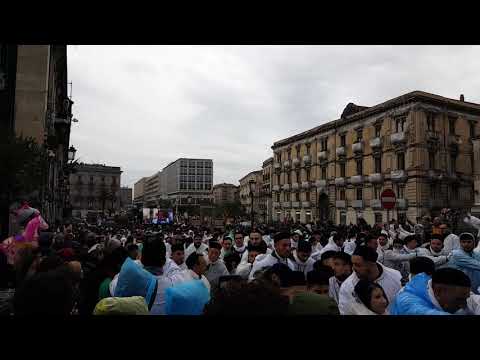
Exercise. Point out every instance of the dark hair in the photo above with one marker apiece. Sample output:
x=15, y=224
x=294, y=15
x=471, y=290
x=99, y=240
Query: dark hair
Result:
x=450, y=276
x=367, y=253
x=337, y=237
x=177, y=247
x=327, y=255
x=132, y=247
x=422, y=264
x=241, y=298
x=364, y=290
x=318, y=266
x=467, y=236
x=214, y=245
x=239, y=232
x=304, y=246
x=192, y=260
x=346, y=258
x=319, y=277
x=230, y=259
x=260, y=248
x=281, y=236
x=154, y=252
x=45, y=293
x=50, y=263
x=436, y=237
x=408, y=239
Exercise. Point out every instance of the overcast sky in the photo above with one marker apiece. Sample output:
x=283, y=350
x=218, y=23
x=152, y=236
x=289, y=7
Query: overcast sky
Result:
x=141, y=107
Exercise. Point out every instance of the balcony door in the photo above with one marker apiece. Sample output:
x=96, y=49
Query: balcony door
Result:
x=323, y=208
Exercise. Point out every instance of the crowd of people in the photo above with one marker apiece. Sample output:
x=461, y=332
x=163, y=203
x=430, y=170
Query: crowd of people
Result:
x=286, y=269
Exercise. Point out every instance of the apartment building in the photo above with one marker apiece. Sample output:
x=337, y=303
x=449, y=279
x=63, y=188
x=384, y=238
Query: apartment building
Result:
x=224, y=193
x=139, y=192
x=419, y=144
x=246, y=195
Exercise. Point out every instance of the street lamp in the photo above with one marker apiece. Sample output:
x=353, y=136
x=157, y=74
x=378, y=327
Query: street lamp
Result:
x=251, y=185
x=71, y=153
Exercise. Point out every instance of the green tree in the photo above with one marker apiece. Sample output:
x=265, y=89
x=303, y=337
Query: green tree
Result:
x=23, y=167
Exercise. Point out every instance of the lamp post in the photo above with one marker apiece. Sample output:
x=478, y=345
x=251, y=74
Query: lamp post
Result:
x=251, y=184
x=71, y=153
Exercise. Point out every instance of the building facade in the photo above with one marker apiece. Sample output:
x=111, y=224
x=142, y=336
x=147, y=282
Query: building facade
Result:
x=139, y=192
x=34, y=103
x=95, y=188
x=152, y=190
x=126, y=198
x=224, y=193
x=266, y=193
x=246, y=197
x=419, y=144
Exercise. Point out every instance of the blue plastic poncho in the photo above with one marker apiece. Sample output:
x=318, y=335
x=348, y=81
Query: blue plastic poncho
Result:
x=188, y=298
x=133, y=280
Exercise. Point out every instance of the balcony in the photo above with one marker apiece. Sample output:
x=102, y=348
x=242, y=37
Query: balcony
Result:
x=277, y=166
x=307, y=160
x=295, y=187
x=306, y=204
x=398, y=175
x=286, y=164
x=340, y=151
x=376, y=204
x=398, y=138
x=356, y=180
x=286, y=204
x=323, y=155
x=436, y=203
x=295, y=204
x=375, y=178
x=357, y=147
x=357, y=204
x=296, y=162
x=402, y=204
x=276, y=204
x=286, y=187
x=340, y=204
x=340, y=181
x=321, y=183
x=376, y=143
x=276, y=188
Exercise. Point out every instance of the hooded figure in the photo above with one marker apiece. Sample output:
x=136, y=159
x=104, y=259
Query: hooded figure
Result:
x=134, y=305
x=473, y=222
x=468, y=262
x=133, y=280
x=188, y=298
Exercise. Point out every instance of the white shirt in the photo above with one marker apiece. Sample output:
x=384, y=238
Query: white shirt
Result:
x=267, y=261
x=389, y=280
x=191, y=275
x=202, y=250
x=333, y=288
x=450, y=243
x=304, y=267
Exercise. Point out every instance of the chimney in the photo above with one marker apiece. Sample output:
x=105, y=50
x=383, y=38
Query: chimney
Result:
x=462, y=98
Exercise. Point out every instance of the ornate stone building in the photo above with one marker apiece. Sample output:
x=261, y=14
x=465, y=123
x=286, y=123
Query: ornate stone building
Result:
x=95, y=188
x=245, y=197
x=224, y=193
x=419, y=144
x=266, y=192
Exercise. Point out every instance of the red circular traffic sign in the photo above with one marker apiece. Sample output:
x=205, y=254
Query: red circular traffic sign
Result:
x=388, y=199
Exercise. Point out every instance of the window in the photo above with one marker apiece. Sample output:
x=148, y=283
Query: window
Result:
x=278, y=197
x=431, y=159
x=451, y=125
x=376, y=192
x=289, y=155
x=287, y=196
x=472, y=129
x=342, y=194
x=278, y=179
x=297, y=197
x=430, y=122
x=308, y=216
x=453, y=163
x=400, y=191
x=324, y=172
x=378, y=165
x=378, y=129
x=342, y=140
x=91, y=179
x=308, y=148
x=402, y=217
x=343, y=217
x=401, y=161
x=307, y=196
x=297, y=176
x=454, y=192
x=360, y=167
x=359, y=194
x=342, y=170
x=297, y=216
x=323, y=144
x=433, y=193
x=307, y=172
x=400, y=123
x=359, y=135
x=378, y=218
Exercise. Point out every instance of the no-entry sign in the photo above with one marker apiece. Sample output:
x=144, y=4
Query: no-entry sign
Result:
x=388, y=199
